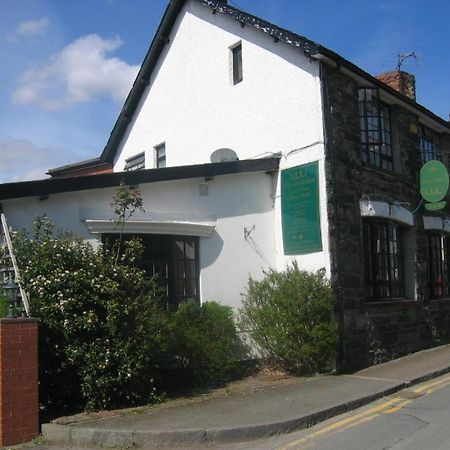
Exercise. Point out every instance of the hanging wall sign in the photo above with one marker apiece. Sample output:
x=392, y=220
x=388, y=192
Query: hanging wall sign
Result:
x=434, y=183
x=300, y=212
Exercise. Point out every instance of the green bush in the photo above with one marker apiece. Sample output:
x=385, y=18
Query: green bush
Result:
x=104, y=339
x=289, y=316
x=205, y=342
x=4, y=305
x=102, y=333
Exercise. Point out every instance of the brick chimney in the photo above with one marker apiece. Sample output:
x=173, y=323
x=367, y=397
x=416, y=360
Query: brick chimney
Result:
x=403, y=82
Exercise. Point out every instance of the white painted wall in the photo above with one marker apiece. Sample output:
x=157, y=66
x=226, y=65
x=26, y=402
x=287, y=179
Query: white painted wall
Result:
x=192, y=106
x=226, y=258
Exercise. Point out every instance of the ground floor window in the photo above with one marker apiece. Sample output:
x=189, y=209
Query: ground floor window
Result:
x=438, y=268
x=174, y=261
x=383, y=258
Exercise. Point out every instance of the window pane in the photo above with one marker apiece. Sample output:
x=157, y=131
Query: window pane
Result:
x=438, y=267
x=237, y=63
x=383, y=260
x=178, y=269
x=175, y=268
x=178, y=249
x=375, y=129
x=190, y=269
x=191, y=287
x=429, y=144
x=160, y=156
x=190, y=249
x=135, y=162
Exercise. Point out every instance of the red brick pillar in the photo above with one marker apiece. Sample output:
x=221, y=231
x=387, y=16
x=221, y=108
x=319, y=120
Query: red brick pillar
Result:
x=19, y=407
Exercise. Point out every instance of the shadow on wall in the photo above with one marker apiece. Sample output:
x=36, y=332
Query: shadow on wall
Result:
x=215, y=245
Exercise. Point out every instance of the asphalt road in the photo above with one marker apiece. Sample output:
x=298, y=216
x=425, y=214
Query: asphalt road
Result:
x=413, y=419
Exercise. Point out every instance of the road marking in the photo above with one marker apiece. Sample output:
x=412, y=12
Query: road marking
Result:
x=342, y=423
x=433, y=385
x=388, y=407
x=363, y=420
x=397, y=407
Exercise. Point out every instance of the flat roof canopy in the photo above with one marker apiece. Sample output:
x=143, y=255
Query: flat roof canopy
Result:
x=131, y=178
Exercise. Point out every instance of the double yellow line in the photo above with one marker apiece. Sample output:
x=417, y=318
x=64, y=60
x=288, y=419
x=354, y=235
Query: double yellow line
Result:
x=388, y=407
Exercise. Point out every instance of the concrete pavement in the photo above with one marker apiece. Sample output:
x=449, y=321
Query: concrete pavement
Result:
x=281, y=408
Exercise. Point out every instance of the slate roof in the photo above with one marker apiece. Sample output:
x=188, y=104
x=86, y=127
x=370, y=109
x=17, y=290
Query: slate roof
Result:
x=311, y=49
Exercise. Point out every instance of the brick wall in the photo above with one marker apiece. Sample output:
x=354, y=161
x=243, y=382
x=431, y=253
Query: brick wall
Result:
x=19, y=408
x=372, y=332
x=403, y=82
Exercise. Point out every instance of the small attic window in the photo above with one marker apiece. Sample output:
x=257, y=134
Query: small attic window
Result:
x=236, y=62
x=160, y=155
x=135, y=162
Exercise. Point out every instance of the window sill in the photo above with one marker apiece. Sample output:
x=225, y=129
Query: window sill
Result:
x=388, y=173
x=392, y=302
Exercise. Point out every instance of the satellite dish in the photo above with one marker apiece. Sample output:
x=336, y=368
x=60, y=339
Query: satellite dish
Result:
x=223, y=155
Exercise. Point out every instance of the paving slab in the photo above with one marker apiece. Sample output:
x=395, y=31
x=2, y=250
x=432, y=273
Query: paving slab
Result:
x=414, y=368
x=246, y=416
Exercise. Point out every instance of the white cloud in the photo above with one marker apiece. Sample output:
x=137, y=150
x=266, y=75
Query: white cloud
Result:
x=29, y=28
x=33, y=27
x=21, y=160
x=81, y=72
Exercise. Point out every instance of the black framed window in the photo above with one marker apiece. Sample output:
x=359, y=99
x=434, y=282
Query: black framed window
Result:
x=160, y=155
x=135, y=162
x=236, y=56
x=375, y=125
x=429, y=144
x=438, y=267
x=383, y=258
x=174, y=262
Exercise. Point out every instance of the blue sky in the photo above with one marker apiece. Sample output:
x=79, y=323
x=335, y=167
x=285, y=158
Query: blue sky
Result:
x=66, y=66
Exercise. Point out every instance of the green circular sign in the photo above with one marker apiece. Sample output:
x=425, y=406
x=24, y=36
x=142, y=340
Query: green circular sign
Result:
x=434, y=181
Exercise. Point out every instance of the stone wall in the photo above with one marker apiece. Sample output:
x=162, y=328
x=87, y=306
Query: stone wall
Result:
x=372, y=332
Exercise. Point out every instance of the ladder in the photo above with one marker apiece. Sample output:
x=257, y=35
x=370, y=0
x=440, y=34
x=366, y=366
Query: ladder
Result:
x=12, y=256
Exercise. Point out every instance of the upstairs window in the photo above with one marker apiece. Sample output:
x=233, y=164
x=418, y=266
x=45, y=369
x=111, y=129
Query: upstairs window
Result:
x=160, y=156
x=438, y=267
x=136, y=162
x=374, y=118
x=383, y=258
x=429, y=144
x=236, y=63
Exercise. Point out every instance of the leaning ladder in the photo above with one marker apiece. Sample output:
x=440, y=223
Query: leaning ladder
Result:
x=12, y=256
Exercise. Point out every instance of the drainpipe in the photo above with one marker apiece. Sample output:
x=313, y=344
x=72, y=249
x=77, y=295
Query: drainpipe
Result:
x=328, y=131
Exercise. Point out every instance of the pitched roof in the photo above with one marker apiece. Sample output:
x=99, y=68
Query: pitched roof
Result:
x=309, y=47
x=43, y=188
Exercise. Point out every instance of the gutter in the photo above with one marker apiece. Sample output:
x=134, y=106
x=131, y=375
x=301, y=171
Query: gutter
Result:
x=328, y=56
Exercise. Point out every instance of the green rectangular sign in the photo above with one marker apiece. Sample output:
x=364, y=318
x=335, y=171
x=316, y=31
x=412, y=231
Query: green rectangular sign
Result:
x=300, y=212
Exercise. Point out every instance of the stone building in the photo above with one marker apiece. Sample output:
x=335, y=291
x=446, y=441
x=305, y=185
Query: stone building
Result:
x=389, y=254
x=270, y=149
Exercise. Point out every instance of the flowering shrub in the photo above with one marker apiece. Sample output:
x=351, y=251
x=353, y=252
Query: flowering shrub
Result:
x=102, y=333
x=289, y=316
